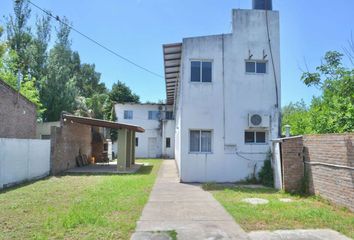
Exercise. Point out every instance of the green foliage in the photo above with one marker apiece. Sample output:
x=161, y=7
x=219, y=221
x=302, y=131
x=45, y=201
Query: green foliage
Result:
x=58, y=86
x=297, y=116
x=121, y=93
x=265, y=175
x=54, y=79
x=333, y=110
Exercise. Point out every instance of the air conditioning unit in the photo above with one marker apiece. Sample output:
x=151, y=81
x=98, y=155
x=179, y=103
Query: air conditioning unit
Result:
x=257, y=120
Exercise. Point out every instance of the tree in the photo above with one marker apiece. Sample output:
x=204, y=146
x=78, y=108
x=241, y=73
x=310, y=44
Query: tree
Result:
x=7, y=65
x=19, y=35
x=38, y=50
x=333, y=110
x=121, y=93
x=297, y=116
x=59, y=87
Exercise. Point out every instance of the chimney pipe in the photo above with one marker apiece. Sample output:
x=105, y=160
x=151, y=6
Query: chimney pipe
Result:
x=262, y=4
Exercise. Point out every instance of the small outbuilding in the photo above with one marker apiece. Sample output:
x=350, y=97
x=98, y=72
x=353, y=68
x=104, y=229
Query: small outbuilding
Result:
x=74, y=138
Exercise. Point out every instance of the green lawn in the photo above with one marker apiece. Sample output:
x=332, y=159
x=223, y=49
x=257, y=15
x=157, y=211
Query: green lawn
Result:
x=303, y=212
x=77, y=206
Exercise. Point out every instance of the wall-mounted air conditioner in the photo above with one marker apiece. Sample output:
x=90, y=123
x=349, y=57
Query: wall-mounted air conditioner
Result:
x=257, y=120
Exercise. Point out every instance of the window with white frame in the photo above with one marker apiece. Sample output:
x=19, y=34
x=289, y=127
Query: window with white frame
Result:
x=255, y=137
x=128, y=114
x=200, y=141
x=154, y=115
x=256, y=66
x=201, y=71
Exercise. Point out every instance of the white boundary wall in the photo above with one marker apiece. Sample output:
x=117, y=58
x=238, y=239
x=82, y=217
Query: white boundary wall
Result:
x=23, y=159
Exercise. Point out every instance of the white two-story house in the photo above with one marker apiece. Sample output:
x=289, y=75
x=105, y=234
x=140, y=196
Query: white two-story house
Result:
x=157, y=119
x=225, y=92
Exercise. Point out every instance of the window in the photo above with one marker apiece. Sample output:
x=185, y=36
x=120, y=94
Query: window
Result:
x=168, y=142
x=128, y=114
x=256, y=67
x=200, y=141
x=169, y=115
x=136, y=142
x=201, y=71
x=154, y=115
x=255, y=137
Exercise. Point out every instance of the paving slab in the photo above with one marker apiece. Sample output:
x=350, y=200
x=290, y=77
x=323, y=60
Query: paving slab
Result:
x=186, y=208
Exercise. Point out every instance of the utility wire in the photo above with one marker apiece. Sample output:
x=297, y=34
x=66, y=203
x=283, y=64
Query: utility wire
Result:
x=57, y=18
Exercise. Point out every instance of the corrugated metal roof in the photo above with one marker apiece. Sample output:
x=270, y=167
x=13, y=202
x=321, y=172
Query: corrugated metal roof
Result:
x=101, y=123
x=172, y=62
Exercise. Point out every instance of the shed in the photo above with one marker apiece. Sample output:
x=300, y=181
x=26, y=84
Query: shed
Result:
x=126, y=137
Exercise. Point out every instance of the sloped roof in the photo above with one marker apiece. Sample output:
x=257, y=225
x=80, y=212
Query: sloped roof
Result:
x=101, y=123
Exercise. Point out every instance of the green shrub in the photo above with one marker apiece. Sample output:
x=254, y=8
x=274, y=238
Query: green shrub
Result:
x=265, y=175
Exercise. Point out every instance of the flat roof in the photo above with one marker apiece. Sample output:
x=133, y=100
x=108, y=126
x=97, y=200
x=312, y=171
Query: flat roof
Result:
x=101, y=123
x=172, y=54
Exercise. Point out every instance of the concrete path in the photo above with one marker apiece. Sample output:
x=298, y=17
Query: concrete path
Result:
x=185, y=209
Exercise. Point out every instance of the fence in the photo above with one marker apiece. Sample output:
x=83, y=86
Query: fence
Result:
x=22, y=160
x=328, y=162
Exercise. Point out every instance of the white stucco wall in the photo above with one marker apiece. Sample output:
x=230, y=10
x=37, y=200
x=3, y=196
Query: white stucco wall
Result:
x=153, y=129
x=224, y=104
x=23, y=159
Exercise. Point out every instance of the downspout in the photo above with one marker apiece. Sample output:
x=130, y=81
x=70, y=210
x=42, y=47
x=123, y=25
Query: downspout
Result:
x=223, y=86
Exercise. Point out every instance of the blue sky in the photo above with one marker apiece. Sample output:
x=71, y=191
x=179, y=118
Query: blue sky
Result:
x=137, y=28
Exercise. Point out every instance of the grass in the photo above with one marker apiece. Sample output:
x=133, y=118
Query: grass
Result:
x=302, y=213
x=77, y=206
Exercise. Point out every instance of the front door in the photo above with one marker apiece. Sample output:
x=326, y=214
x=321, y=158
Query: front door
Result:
x=152, y=147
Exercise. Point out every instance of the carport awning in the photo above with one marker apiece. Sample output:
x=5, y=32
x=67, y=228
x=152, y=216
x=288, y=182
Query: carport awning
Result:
x=101, y=123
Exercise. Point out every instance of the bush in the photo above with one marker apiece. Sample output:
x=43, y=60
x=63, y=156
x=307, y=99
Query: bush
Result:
x=265, y=175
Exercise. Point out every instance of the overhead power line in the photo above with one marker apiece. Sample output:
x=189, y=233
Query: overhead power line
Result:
x=57, y=18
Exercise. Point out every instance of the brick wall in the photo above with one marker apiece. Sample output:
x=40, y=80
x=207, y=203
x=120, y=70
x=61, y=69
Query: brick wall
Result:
x=293, y=167
x=66, y=143
x=17, y=114
x=329, y=162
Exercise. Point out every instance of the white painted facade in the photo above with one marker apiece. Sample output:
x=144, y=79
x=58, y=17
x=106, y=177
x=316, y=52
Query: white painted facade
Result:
x=223, y=105
x=151, y=143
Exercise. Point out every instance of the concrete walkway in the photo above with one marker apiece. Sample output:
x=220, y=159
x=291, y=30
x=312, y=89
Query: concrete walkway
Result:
x=185, y=209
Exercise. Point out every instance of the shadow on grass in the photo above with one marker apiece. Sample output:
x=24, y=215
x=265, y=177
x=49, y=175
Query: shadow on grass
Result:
x=22, y=184
x=144, y=170
x=248, y=189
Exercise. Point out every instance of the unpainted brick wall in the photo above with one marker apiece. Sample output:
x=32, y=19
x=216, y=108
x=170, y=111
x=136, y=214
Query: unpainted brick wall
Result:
x=293, y=165
x=66, y=143
x=331, y=181
x=17, y=114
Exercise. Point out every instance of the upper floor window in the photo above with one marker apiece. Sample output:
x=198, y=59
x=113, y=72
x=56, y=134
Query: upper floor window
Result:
x=169, y=115
x=154, y=115
x=255, y=137
x=128, y=114
x=256, y=67
x=201, y=71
